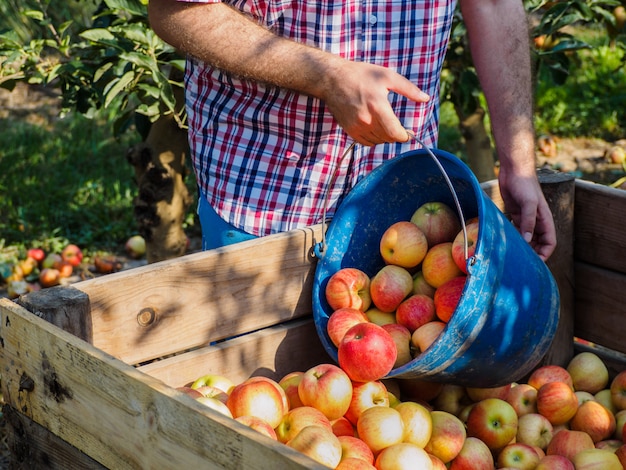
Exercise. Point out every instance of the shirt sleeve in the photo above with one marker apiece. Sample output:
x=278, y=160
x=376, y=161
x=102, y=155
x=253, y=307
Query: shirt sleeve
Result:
x=199, y=1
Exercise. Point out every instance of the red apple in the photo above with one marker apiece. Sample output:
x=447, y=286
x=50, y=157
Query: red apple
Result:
x=618, y=391
x=438, y=222
x=380, y=427
x=447, y=436
x=319, y=443
x=342, y=427
x=390, y=286
x=493, y=421
x=474, y=455
x=426, y=334
x=258, y=425
x=403, y=244
x=588, y=372
x=364, y=396
x=594, y=419
x=621, y=455
x=402, y=338
x=258, y=398
x=557, y=402
x=418, y=423
x=458, y=245
x=348, y=287
x=597, y=459
x=555, y=462
x=438, y=266
x=518, y=455
x=290, y=383
x=447, y=297
x=568, y=443
x=620, y=423
x=72, y=254
x=37, y=254
x=437, y=463
x=535, y=430
x=341, y=320
x=352, y=463
x=65, y=269
x=353, y=447
x=367, y=352
x=135, y=246
x=274, y=384
x=106, y=264
x=403, y=456
x=415, y=311
x=327, y=388
x=297, y=419
x=523, y=398
x=549, y=373
x=420, y=286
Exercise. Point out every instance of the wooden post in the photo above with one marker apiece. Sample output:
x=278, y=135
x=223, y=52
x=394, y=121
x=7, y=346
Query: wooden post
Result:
x=558, y=189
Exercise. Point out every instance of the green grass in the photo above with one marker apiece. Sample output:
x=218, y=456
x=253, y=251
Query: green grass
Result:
x=66, y=183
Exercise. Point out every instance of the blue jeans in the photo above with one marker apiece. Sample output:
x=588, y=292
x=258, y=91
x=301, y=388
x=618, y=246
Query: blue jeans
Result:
x=216, y=232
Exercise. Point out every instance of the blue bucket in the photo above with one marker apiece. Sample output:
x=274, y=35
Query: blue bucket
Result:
x=509, y=309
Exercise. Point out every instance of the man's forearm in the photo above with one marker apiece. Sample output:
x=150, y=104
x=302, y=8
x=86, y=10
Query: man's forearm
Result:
x=499, y=43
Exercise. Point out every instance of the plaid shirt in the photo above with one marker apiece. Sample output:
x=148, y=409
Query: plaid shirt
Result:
x=264, y=156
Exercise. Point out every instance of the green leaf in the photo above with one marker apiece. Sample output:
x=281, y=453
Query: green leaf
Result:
x=135, y=7
x=97, y=35
x=117, y=87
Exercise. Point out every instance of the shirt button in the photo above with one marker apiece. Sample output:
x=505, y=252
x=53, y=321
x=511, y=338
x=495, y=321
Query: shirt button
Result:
x=373, y=20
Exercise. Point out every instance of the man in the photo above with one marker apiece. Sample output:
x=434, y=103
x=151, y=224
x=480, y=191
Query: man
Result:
x=277, y=91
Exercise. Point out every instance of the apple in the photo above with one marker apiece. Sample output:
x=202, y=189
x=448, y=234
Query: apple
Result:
x=273, y=383
x=327, y=388
x=212, y=392
x=342, y=427
x=364, y=396
x=37, y=254
x=594, y=419
x=353, y=447
x=588, y=372
x=605, y=397
x=610, y=444
x=403, y=456
x=380, y=427
x=51, y=260
x=447, y=297
x=214, y=380
x=452, y=398
x=494, y=421
x=584, y=396
x=297, y=419
x=420, y=286
x=290, y=383
x=597, y=459
x=106, y=264
x=27, y=266
x=426, y=334
x=258, y=398
x=438, y=266
x=557, y=402
x=215, y=404
x=621, y=455
x=367, y=352
x=318, y=443
x=135, y=246
x=189, y=391
x=49, y=277
x=403, y=244
x=555, y=462
x=549, y=373
x=535, y=430
x=620, y=421
x=352, y=463
x=618, y=391
x=418, y=423
x=437, y=221
x=518, y=455
x=437, y=463
x=65, y=269
x=419, y=390
x=341, y=320
x=258, y=425
x=474, y=455
x=380, y=318
x=477, y=394
x=415, y=311
x=72, y=254
x=390, y=286
x=568, y=443
x=447, y=436
x=458, y=245
x=348, y=287
x=16, y=288
x=402, y=339
x=523, y=398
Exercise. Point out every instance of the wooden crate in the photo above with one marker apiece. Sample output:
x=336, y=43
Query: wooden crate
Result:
x=88, y=371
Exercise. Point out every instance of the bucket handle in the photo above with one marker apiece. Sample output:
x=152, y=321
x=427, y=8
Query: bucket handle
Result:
x=321, y=247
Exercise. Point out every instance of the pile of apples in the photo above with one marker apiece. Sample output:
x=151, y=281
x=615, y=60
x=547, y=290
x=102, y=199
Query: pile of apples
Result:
x=559, y=418
x=383, y=322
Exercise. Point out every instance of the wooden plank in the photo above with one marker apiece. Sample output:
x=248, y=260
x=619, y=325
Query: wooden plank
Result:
x=600, y=300
x=170, y=306
x=119, y=416
x=272, y=352
x=599, y=225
